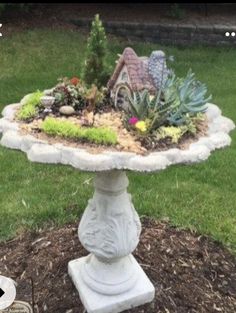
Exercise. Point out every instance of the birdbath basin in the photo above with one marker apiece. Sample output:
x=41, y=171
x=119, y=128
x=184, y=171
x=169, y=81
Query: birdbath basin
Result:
x=109, y=279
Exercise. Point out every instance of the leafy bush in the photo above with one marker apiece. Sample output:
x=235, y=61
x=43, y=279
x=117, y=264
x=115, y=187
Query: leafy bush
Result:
x=95, y=71
x=68, y=130
x=30, y=105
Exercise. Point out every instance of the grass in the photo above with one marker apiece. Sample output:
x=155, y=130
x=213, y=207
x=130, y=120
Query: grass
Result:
x=200, y=196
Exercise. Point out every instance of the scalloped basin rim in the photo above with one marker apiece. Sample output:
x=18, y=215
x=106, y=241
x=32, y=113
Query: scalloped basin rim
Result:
x=40, y=151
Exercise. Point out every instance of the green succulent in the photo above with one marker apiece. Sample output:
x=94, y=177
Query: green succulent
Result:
x=151, y=107
x=187, y=97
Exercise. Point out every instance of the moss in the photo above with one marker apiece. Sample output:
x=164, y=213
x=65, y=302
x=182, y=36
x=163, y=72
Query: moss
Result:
x=30, y=105
x=66, y=129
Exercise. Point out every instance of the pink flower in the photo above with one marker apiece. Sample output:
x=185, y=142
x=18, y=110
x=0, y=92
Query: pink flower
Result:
x=133, y=120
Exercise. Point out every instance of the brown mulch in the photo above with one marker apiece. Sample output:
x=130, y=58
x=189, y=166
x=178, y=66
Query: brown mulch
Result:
x=191, y=273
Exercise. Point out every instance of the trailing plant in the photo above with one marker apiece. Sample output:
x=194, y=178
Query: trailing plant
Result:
x=68, y=130
x=95, y=69
x=30, y=105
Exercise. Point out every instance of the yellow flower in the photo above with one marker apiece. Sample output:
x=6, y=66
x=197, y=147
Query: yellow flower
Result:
x=141, y=125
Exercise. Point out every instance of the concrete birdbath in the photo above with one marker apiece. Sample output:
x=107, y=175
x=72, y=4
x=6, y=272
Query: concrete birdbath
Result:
x=109, y=279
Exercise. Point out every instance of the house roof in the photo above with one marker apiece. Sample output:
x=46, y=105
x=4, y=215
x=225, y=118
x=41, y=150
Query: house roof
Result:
x=137, y=68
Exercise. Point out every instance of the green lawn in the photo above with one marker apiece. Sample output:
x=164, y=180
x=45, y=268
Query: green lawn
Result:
x=201, y=196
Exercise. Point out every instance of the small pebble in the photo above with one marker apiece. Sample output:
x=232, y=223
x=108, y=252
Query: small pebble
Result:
x=67, y=110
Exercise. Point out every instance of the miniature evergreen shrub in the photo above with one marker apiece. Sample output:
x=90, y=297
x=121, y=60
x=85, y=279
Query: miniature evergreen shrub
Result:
x=68, y=130
x=95, y=67
x=30, y=105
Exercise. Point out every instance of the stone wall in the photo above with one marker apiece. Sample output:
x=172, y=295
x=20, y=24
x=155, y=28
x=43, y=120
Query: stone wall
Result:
x=180, y=34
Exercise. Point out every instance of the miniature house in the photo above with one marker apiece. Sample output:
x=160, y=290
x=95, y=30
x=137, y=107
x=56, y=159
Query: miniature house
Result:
x=137, y=73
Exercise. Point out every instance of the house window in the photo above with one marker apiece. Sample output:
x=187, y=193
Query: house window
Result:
x=124, y=76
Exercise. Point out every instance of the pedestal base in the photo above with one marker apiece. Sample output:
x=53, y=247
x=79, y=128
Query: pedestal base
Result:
x=142, y=292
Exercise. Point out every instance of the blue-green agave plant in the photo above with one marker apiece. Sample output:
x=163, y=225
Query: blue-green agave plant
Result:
x=187, y=97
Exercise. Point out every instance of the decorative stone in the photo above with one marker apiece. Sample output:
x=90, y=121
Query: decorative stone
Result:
x=67, y=110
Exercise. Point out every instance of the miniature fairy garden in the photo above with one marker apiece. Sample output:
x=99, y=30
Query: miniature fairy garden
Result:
x=143, y=106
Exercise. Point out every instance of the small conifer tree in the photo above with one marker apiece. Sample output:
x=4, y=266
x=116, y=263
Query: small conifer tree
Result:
x=95, y=64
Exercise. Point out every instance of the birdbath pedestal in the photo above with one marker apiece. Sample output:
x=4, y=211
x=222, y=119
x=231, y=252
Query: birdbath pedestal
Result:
x=109, y=279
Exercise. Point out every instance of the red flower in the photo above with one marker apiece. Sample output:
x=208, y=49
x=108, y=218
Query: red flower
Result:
x=74, y=81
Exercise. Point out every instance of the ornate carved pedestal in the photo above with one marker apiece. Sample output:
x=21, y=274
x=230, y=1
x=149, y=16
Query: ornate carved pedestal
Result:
x=109, y=279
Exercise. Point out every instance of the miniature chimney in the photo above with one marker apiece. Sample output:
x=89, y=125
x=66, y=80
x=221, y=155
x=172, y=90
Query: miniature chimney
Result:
x=157, y=68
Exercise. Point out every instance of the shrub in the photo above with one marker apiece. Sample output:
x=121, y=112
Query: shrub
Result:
x=95, y=67
x=29, y=107
x=68, y=130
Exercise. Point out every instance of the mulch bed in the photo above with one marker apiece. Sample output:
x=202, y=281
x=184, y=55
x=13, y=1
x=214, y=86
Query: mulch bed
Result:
x=191, y=273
